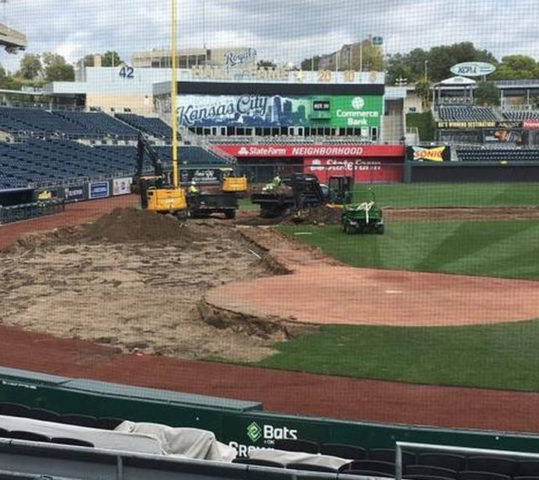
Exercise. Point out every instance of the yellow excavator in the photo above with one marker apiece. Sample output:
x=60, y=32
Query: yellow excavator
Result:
x=156, y=195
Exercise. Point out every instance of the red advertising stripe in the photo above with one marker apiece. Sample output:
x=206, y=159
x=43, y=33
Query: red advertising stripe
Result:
x=363, y=170
x=530, y=124
x=287, y=150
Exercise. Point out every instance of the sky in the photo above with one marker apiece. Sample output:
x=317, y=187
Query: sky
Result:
x=280, y=30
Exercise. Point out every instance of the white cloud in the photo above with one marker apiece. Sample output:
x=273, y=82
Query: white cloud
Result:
x=283, y=30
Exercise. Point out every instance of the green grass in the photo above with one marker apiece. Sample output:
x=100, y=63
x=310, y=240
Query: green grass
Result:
x=502, y=356
x=454, y=195
x=497, y=248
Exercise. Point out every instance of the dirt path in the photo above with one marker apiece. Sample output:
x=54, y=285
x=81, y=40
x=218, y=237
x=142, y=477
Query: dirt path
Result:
x=462, y=214
x=286, y=392
x=75, y=213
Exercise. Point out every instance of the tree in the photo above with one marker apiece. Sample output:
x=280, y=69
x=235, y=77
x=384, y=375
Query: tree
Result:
x=56, y=68
x=442, y=58
x=422, y=89
x=30, y=67
x=310, y=63
x=516, y=67
x=111, y=59
x=487, y=94
x=367, y=58
x=88, y=60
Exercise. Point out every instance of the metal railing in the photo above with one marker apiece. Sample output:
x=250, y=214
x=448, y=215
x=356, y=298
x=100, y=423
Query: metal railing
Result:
x=399, y=446
x=15, y=213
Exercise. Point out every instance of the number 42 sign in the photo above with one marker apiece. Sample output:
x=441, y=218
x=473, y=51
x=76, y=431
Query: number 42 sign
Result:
x=127, y=72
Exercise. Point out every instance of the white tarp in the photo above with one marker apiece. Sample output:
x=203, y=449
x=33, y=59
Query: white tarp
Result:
x=187, y=442
x=105, y=439
x=286, y=458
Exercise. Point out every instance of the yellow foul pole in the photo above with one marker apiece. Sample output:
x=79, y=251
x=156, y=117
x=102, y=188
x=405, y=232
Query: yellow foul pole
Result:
x=174, y=97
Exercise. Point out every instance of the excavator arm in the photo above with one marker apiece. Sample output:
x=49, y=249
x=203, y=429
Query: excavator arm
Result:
x=143, y=146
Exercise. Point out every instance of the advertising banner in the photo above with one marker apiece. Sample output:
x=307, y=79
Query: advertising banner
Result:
x=465, y=125
x=244, y=151
x=121, y=186
x=98, y=189
x=270, y=111
x=362, y=170
x=531, y=124
x=207, y=176
x=74, y=193
x=429, y=154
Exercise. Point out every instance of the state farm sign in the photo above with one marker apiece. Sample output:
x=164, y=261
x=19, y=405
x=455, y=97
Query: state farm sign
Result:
x=362, y=170
x=243, y=151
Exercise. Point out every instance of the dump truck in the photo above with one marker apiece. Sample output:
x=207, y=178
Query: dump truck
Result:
x=299, y=191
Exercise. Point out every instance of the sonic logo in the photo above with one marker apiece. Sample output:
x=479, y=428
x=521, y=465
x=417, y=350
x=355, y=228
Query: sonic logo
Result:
x=432, y=154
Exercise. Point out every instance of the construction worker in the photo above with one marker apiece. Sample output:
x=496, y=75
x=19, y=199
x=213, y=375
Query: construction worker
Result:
x=193, y=188
x=275, y=183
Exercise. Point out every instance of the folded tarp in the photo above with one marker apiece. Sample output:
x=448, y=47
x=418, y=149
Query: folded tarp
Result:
x=106, y=439
x=187, y=442
x=286, y=458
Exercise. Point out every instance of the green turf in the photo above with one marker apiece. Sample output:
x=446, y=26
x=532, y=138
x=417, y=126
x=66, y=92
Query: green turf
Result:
x=502, y=356
x=490, y=248
x=449, y=195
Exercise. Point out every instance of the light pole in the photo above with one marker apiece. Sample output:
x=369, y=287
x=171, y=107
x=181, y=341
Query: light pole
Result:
x=174, y=96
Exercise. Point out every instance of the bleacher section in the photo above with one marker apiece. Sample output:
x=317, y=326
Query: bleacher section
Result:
x=39, y=162
x=151, y=126
x=516, y=116
x=99, y=123
x=497, y=155
x=466, y=114
x=75, y=125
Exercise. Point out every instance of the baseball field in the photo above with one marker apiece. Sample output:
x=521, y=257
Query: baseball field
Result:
x=488, y=230
x=445, y=299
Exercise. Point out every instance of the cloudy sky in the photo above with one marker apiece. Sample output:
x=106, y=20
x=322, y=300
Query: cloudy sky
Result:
x=282, y=30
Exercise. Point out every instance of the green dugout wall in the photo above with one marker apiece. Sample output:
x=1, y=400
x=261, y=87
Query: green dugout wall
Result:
x=242, y=424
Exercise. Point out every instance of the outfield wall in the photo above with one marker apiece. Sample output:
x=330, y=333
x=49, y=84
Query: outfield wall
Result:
x=462, y=172
x=241, y=424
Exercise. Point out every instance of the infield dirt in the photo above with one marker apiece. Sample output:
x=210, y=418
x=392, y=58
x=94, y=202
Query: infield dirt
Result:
x=135, y=281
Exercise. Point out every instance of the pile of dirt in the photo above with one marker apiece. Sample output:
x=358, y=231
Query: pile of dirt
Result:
x=127, y=225
x=322, y=215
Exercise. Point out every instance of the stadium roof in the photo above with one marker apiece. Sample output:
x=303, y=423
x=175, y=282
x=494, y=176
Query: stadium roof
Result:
x=11, y=39
x=457, y=81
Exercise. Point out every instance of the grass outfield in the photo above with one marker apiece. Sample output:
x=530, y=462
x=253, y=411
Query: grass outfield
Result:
x=489, y=248
x=502, y=356
x=454, y=195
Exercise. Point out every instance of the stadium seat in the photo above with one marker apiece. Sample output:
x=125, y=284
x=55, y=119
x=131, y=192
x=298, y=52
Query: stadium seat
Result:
x=527, y=468
x=385, y=468
x=310, y=467
x=504, y=466
x=14, y=409
x=296, y=446
x=43, y=414
x=108, y=423
x=445, y=460
x=72, y=441
x=429, y=470
x=261, y=463
x=32, y=436
x=425, y=477
x=80, y=420
x=4, y=433
x=388, y=455
x=343, y=450
x=478, y=475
